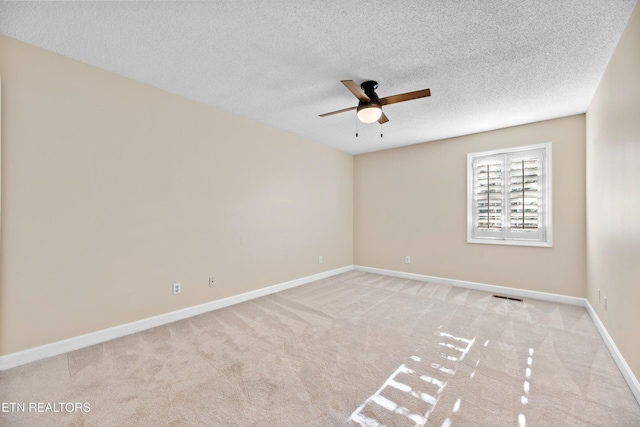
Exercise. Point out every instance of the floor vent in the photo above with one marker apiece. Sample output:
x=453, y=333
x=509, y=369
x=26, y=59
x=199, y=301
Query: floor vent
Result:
x=509, y=298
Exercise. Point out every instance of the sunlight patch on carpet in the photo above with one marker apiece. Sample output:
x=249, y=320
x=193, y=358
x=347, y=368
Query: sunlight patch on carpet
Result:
x=401, y=397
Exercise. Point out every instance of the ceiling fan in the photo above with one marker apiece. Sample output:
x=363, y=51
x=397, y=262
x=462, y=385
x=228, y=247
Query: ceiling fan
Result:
x=369, y=107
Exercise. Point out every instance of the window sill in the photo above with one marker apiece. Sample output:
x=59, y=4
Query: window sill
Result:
x=511, y=242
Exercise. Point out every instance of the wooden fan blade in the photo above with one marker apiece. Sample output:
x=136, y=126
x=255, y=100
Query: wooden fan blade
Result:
x=355, y=90
x=339, y=111
x=383, y=119
x=405, y=97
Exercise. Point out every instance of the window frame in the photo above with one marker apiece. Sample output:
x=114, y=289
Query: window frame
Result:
x=507, y=236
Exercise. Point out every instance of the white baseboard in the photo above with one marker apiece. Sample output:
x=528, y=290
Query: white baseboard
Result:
x=625, y=370
x=13, y=360
x=502, y=290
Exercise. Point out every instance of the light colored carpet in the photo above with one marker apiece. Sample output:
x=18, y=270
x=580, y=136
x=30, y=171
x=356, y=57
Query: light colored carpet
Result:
x=354, y=349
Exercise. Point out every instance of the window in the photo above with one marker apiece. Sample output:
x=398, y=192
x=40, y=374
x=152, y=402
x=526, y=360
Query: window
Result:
x=509, y=196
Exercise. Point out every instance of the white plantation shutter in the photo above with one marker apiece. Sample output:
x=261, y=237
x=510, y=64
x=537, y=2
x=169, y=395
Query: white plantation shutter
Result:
x=509, y=196
x=525, y=195
x=489, y=196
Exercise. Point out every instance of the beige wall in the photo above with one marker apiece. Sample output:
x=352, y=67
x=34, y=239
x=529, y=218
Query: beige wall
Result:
x=412, y=201
x=113, y=190
x=613, y=195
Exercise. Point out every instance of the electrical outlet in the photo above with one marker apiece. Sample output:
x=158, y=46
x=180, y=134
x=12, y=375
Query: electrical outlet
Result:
x=320, y=259
x=605, y=303
x=212, y=282
x=598, y=295
x=177, y=288
x=407, y=260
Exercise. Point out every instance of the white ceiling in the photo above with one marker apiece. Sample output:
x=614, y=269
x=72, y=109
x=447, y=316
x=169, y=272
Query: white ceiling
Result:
x=489, y=64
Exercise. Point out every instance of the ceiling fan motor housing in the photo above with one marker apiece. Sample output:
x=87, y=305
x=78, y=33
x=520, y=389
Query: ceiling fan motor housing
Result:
x=369, y=111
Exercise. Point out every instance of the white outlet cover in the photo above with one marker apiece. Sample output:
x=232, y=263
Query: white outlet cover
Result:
x=177, y=288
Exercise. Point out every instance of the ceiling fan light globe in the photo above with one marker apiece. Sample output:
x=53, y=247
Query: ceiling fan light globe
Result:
x=369, y=113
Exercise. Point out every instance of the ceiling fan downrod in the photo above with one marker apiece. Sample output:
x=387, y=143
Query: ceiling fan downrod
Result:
x=369, y=88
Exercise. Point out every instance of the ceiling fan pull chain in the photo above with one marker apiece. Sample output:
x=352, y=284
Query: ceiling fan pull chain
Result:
x=356, y=125
x=380, y=130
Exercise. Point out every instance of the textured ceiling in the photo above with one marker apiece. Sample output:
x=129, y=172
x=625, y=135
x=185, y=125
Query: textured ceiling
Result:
x=489, y=64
